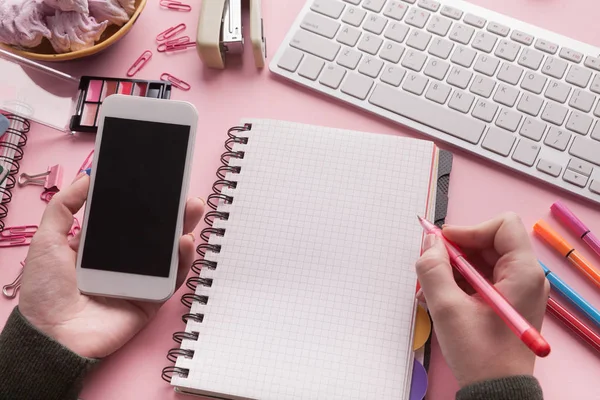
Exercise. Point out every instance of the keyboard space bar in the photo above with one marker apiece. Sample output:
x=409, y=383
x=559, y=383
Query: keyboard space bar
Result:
x=428, y=113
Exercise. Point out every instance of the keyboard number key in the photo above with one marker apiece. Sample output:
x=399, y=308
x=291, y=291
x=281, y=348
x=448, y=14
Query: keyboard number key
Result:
x=332, y=76
x=484, y=41
x=526, y=152
x=439, y=25
x=331, y=8
x=461, y=33
x=531, y=59
x=373, y=5
x=507, y=50
x=498, y=141
x=417, y=18
x=395, y=10
x=548, y=167
x=554, y=67
x=357, y=85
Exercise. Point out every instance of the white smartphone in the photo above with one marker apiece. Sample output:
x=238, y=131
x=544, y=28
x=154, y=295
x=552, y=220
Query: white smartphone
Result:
x=138, y=189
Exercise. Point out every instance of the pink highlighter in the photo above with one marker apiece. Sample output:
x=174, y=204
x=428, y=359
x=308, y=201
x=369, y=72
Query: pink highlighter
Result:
x=566, y=216
x=515, y=321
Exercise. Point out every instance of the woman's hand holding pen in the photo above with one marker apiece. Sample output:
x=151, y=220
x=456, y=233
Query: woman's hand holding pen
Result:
x=477, y=344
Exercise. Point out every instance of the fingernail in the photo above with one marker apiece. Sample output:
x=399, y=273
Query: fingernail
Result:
x=202, y=200
x=429, y=241
x=191, y=234
x=420, y=296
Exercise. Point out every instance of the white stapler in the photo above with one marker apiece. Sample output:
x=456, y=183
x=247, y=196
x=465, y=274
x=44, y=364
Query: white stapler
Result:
x=220, y=32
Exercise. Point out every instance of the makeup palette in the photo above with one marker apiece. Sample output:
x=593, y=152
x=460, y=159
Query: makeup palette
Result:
x=93, y=91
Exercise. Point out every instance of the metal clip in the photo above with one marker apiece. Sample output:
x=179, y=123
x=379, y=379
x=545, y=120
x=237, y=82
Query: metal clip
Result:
x=51, y=179
x=175, y=5
x=24, y=230
x=170, y=32
x=139, y=63
x=178, y=83
x=10, y=291
x=15, y=241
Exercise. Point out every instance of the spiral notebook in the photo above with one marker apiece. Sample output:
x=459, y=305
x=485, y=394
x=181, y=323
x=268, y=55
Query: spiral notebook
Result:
x=306, y=285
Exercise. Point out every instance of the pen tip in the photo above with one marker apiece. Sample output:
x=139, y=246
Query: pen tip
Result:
x=419, y=218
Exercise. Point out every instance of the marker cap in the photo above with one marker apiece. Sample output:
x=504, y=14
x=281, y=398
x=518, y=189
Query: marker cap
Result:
x=560, y=211
x=549, y=235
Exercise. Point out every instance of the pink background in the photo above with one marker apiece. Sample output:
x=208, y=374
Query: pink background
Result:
x=479, y=189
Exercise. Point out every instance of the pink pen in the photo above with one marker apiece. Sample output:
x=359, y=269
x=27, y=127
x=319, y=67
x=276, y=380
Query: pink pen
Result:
x=519, y=325
x=566, y=216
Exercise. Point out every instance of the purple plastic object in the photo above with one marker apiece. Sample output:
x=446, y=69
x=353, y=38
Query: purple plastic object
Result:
x=418, y=387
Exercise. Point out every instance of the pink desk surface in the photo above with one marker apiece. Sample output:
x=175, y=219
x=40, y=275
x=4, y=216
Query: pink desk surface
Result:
x=479, y=189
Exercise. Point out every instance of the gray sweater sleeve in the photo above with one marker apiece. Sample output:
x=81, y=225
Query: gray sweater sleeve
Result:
x=34, y=366
x=521, y=387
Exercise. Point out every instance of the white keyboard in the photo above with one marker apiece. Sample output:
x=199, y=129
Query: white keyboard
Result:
x=505, y=90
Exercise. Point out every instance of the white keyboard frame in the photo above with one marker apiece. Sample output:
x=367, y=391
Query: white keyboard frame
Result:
x=556, y=156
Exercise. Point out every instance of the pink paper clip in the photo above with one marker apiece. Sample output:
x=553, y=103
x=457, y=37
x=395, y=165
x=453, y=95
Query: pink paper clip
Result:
x=87, y=163
x=15, y=241
x=10, y=291
x=175, y=5
x=24, y=230
x=170, y=32
x=178, y=83
x=181, y=43
x=51, y=180
x=47, y=195
x=75, y=228
x=139, y=63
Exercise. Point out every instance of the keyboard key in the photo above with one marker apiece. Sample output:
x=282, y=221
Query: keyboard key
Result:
x=531, y=59
x=441, y=48
x=417, y=18
x=349, y=36
x=393, y=75
x=451, y=12
x=510, y=73
x=463, y=56
x=474, y=20
x=557, y=138
x=437, y=69
x=554, y=113
x=418, y=40
x=373, y=5
x=375, y=24
x=320, y=25
x=349, y=58
x=546, y=46
x=570, y=55
x=414, y=60
x=498, y=29
x=290, y=59
x=548, y=167
x=487, y=65
x=554, y=67
x=357, y=85
x=420, y=110
x=331, y=8
x=579, y=76
x=533, y=82
x=484, y=41
x=595, y=186
x=332, y=76
x=311, y=68
x=355, y=2
x=586, y=149
x=482, y=86
x=354, y=16
x=506, y=95
x=522, y=37
x=370, y=43
x=430, y=5
x=530, y=104
x=582, y=100
x=597, y=110
x=484, y=110
x=595, y=87
x=593, y=63
x=526, y=152
x=395, y=10
x=459, y=77
x=596, y=132
x=315, y=45
x=391, y=52
x=370, y=66
x=508, y=119
x=439, y=25
x=558, y=91
x=533, y=129
x=396, y=32
x=580, y=167
x=507, y=50
x=575, y=178
x=461, y=33
x=438, y=92
x=499, y=141
x=410, y=1
x=415, y=83
x=461, y=101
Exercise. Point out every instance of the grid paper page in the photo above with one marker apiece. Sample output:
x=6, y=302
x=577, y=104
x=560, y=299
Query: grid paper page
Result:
x=313, y=295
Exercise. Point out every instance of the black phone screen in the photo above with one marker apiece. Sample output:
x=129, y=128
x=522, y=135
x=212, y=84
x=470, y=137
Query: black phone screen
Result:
x=135, y=200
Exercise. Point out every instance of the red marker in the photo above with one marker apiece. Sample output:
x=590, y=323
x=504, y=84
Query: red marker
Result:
x=515, y=321
x=581, y=329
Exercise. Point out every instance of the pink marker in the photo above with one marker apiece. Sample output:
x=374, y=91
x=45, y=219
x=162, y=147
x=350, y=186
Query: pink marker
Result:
x=515, y=321
x=566, y=216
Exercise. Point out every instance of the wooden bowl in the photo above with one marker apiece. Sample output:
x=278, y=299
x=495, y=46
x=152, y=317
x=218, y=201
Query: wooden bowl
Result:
x=45, y=52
